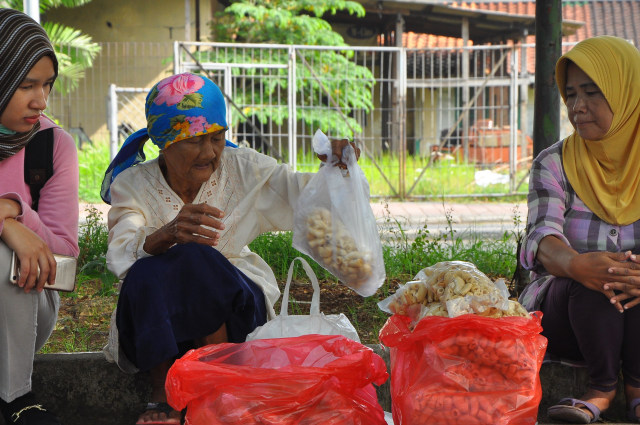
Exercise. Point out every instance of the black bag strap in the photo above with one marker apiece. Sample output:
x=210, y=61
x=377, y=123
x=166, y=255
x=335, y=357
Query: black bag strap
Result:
x=38, y=163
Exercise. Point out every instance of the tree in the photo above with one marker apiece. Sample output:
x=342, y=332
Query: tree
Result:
x=75, y=50
x=298, y=22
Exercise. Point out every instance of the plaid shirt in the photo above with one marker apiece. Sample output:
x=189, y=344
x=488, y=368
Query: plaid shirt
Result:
x=555, y=209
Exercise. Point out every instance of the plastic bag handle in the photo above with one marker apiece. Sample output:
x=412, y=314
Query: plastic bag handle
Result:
x=315, y=299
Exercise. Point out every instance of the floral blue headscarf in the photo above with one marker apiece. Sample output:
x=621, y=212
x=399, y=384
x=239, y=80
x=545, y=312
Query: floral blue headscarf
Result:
x=177, y=108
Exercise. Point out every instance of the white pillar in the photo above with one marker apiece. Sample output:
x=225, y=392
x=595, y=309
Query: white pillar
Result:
x=112, y=120
x=32, y=8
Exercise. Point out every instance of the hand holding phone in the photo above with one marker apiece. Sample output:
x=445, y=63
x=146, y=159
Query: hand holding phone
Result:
x=65, y=272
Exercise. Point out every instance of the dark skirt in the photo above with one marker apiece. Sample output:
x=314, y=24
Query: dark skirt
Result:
x=169, y=300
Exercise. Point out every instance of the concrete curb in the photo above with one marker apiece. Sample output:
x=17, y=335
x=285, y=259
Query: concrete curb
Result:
x=83, y=388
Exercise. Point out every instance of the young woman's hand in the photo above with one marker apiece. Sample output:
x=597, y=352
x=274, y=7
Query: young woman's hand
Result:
x=194, y=223
x=37, y=265
x=9, y=209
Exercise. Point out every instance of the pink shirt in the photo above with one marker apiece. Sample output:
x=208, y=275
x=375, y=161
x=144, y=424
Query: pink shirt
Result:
x=56, y=221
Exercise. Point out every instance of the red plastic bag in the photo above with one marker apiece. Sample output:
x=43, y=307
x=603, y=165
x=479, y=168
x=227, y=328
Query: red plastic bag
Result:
x=305, y=380
x=465, y=370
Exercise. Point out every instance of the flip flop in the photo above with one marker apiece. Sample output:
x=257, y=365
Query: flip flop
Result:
x=631, y=413
x=572, y=413
x=161, y=407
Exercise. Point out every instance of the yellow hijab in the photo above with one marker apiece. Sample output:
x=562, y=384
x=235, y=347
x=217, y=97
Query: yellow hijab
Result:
x=606, y=173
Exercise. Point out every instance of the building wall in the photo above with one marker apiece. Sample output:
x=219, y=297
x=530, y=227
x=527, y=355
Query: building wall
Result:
x=137, y=50
x=139, y=20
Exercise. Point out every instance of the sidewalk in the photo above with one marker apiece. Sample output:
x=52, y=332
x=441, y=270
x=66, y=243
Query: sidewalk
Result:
x=411, y=214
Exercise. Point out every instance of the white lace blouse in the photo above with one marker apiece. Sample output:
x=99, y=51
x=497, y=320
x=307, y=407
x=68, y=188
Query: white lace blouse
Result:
x=256, y=194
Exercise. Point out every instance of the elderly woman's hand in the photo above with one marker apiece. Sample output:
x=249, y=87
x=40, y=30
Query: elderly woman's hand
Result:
x=194, y=223
x=627, y=281
x=337, y=149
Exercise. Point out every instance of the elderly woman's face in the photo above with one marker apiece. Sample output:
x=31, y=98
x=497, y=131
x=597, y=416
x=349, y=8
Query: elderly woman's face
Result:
x=193, y=160
x=588, y=109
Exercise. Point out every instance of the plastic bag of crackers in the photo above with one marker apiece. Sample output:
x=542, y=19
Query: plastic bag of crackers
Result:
x=452, y=367
x=451, y=289
x=334, y=223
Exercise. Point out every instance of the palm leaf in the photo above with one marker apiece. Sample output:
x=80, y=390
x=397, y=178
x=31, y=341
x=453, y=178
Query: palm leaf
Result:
x=75, y=51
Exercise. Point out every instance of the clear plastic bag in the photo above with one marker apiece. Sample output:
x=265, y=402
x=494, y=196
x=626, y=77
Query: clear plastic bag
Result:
x=334, y=223
x=451, y=289
x=305, y=380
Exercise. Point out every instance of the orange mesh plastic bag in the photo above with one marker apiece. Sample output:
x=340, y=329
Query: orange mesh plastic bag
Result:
x=465, y=370
x=305, y=380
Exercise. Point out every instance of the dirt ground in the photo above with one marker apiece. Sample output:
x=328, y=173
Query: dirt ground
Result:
x=83, y=320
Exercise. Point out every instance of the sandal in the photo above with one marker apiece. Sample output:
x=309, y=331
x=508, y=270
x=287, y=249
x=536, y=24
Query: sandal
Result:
x=631, y=413
x=568, y=410
x=161, y=407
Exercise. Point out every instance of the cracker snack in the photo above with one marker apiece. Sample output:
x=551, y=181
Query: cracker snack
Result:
x=330, y=240
x=450, y=289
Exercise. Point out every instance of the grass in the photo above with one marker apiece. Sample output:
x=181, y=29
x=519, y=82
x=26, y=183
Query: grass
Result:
x=447, y=176
x=85, y=313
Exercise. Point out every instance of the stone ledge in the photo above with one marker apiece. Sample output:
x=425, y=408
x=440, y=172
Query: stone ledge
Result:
x=83, y=388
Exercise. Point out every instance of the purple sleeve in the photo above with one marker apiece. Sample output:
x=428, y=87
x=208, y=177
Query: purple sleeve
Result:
x=56, y=221
x=546, y=204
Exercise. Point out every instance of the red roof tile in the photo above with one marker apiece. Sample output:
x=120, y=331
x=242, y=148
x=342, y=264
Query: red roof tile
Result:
x=601, y=17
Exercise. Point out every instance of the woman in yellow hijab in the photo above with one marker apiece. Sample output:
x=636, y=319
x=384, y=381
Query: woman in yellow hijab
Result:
x=583, y=228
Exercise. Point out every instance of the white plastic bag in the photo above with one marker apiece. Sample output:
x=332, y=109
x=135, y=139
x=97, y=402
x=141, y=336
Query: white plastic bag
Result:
x=285, y=326
x=334, y=223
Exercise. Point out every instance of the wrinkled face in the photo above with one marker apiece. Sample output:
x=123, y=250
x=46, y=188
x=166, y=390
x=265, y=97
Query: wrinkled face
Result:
x=587, y=108
x=30, y=98
x=191, y=161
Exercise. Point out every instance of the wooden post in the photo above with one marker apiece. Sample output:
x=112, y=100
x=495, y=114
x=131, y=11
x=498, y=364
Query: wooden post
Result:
x=546, y=114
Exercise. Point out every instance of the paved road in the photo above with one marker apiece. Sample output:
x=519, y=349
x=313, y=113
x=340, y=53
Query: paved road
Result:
x=490, y=219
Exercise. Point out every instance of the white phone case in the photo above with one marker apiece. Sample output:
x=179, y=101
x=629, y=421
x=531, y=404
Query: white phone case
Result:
x=65, y=273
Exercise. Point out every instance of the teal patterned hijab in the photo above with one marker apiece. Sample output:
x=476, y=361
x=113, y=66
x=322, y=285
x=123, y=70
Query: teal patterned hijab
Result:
x=177, y=108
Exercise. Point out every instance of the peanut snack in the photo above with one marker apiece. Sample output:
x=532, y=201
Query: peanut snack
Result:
x=335, y=249
x=450, y=289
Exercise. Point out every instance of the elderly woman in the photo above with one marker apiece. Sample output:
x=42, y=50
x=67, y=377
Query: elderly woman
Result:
x=179, y=230
x=584, y=227
x=33, y=224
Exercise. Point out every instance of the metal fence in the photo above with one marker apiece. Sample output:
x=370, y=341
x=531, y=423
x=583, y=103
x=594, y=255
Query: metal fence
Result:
x=472, y=103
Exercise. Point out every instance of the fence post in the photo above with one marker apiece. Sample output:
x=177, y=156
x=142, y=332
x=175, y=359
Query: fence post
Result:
x=112, y=120
x=513, y=118
x=291, y=122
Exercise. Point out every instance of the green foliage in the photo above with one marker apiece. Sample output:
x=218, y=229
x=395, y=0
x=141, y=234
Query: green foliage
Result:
x=443, y=178
x=94, y=160
x=93, y=243
x=290, y=22
x=75, y=51
x=405, y=255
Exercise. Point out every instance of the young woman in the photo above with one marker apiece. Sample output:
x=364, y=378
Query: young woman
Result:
x=28, y=313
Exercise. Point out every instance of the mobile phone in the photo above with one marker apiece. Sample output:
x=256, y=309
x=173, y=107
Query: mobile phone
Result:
x=65, y=272
x=14, y=269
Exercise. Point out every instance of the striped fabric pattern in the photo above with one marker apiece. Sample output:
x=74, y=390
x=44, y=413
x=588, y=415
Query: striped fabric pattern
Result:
x=23, y=42
x=555, y=209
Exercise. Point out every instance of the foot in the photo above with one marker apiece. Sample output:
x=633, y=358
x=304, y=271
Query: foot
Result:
x=586, y=409
x=159, y=413
x=25, y=410
x=633, y=403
